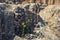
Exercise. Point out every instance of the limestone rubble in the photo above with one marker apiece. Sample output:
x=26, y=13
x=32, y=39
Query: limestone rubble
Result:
x=51, y=14
x=49, y=29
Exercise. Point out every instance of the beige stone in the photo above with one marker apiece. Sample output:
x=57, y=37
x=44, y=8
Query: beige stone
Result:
x=37, y=1
x=57, y=2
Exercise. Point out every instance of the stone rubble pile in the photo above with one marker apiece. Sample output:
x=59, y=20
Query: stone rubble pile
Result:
x=12, y=20
x=44, y=26
x=51, y=14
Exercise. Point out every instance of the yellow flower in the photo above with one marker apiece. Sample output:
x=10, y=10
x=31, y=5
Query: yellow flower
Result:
x=23, y=25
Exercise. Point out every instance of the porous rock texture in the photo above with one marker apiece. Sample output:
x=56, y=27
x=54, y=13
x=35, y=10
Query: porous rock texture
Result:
x=9, y=20
x=51, y=14
x=12, y=19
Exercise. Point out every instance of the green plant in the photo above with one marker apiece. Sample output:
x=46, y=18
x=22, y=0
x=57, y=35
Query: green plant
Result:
x=24, y=26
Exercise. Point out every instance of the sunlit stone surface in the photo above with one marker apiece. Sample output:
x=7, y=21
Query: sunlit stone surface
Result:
x=47, y=28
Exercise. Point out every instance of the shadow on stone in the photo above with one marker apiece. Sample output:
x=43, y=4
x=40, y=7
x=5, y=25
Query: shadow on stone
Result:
x=21, y=24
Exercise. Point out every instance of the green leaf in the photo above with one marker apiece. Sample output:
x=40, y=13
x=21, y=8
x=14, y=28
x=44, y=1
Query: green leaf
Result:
x=24, y=26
